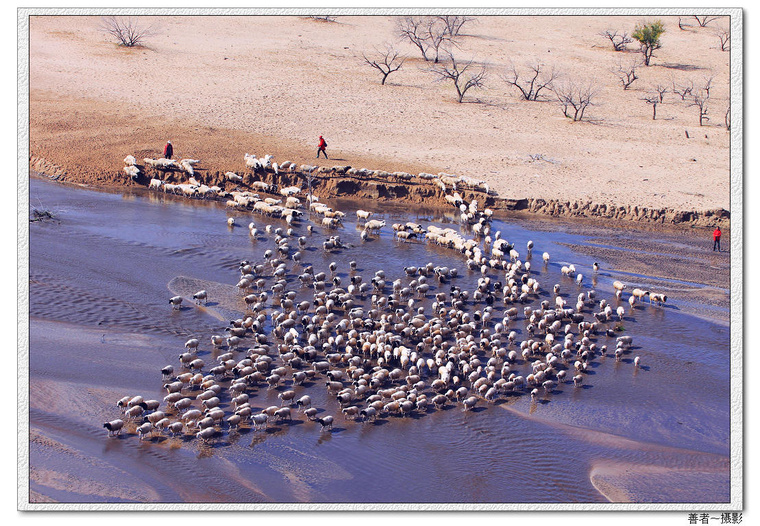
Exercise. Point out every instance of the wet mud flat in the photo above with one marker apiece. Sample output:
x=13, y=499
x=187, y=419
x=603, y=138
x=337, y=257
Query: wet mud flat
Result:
x=101, y=328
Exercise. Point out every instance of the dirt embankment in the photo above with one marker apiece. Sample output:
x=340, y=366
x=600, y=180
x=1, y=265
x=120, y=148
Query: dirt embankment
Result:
x=381, y=185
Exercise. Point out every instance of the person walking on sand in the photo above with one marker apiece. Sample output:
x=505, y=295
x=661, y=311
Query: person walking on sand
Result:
x=168, y=150
x=321, y=147
x=716, y=239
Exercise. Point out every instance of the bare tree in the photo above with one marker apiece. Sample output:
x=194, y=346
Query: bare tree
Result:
x=453, y=23
x=127, y=31
x=682, y=90
x=387, y=62
x=708, y=84
x=681, y=24
x=575, y=97
x=619, y=41
x=461, y=75
x=437, y=35
x=724, y=35
x=661, y=90
x=535, y=81
x=653, y=99
x=412, y=29
x=627, y=73
x=704, y=20
x=427, y=33
x=699, y=100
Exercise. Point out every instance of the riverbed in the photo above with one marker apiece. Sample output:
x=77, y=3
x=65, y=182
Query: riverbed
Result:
x=101, y=328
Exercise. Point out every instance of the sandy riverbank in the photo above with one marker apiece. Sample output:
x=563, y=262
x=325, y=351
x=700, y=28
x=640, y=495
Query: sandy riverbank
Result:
x=219, y=88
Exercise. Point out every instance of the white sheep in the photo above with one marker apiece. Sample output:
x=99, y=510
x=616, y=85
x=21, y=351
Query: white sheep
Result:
x=114, y=427
x=200, y=296
x=176, y=302
x=132, y=171
x=233, y=177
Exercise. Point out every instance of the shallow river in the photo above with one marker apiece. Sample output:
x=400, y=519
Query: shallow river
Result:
x=101, y=328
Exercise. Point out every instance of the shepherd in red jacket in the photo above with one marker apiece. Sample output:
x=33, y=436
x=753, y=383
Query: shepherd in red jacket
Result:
x=321, y=147
x=168, y=150
x=716, y=239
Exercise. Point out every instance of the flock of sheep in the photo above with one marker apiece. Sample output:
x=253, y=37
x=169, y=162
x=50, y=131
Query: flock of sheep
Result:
x=382, y=346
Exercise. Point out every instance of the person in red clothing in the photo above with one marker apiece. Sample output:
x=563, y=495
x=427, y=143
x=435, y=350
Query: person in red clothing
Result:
x=716, y=239
x=321, y=147
x=168, y=150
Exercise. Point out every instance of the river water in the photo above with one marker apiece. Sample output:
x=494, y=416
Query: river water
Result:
x=101, y=328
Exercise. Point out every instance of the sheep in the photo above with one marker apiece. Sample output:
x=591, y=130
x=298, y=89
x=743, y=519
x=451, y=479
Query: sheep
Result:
x=176, y=302
x=287, y=396
x=175, y=428
x=206, y=434
x=282, y=413
x=326, y=422
x=192, y=345
x=144, y=429
x=114, y=427
x=260, y=420
x=363, y=214
x=374, y=224
x=637, y=361
x=132, y=171
x=233, y=177
x=304, y=402
x=200, y=296
x=618, y=285
x=657, y=298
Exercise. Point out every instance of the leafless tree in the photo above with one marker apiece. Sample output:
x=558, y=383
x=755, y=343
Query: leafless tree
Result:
x=707, y=86
x=536, y=80
x=654, y=100
x=699, y=100
x=426, y=33
x=453, y=23
x=724, y=35
x=661, y=90
x=127, y=31
x=682, y=90
x=619, y=41
x=627, y=73
x=575, y=97
x=681, y=24
x=464, y=76
x=387, y=61
x=704, y=20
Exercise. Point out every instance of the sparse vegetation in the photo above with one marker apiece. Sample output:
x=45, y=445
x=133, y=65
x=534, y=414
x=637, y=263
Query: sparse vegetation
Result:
x=575, y=97
x=453, y=23
x=724, y=35
x=127, y=31
x=627, y=73
x=704, y=20
x=464, y=76
x=648, y=36
x=427, y=33
x=682, y=90
x=536, y=80
x=386, y=62
x=619, y=41
x=699, y=100
x=653, y=99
